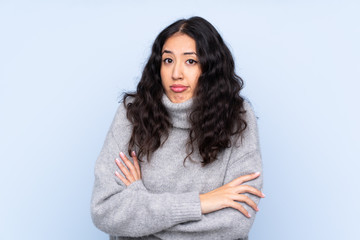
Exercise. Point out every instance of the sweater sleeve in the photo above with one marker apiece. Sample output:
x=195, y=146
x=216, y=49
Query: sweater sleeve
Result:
x=133, y=211
x=229, y=223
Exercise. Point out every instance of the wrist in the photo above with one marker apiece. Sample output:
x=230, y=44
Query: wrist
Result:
x=203, y=203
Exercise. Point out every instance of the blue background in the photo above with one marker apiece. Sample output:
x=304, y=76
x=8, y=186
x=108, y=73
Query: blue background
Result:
x=64, y=64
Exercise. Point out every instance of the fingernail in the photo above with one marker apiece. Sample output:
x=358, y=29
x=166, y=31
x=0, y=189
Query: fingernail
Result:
x=257, y=173
x=117, y=160
x=122, y=154
x=257, y=209
x=133, y=153
x=249, y=215
x=263, y=194
x=116, y=173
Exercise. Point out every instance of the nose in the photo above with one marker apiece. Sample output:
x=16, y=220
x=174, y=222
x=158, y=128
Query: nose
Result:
x=177, y=71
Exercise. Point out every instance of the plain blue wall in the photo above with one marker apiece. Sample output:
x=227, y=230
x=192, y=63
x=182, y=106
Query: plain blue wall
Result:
x=63, y=65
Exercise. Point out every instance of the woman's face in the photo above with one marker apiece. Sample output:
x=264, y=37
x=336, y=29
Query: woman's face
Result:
x=180, y=67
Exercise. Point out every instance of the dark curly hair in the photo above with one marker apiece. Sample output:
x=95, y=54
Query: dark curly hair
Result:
x=217, y=111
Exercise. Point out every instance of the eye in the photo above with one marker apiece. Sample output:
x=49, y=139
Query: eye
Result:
x=167, y=60
x=191, y=61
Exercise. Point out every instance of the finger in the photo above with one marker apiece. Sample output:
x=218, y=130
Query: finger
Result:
x=136, y=164
x=245, y=178
x=245, y=199
x=249, y=189
x=129, y=165
x=240, y=208
x=124, y=180
x=124, y=170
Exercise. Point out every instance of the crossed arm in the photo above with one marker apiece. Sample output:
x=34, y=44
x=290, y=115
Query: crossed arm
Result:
x=225, y=196
x=235, y=199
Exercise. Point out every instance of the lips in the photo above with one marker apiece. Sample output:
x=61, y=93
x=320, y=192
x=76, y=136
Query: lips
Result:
x=178, y=88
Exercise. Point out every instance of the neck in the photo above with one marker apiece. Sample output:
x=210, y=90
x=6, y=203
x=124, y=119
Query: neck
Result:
x=179, y=112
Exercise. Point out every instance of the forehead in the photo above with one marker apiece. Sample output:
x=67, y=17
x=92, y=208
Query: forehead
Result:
x=179, y=43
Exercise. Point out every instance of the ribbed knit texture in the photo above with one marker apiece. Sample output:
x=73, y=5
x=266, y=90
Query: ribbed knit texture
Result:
x=179, y=112
x=165, y=203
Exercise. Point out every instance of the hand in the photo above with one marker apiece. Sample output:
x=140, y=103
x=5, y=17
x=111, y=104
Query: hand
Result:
x=131, y=171
x=229, y=195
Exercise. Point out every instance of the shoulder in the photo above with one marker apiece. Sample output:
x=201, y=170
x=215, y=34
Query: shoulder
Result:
x=249, y=115
x=121, y=123
x=245, y=149
x=122, y=109
x=249, y=140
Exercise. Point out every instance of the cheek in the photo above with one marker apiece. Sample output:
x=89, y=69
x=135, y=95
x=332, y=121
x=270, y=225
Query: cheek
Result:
x=162, y=76
x=196, y=76
x=164, y=72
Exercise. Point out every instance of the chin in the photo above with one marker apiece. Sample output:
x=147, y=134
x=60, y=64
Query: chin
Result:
x=178, y=99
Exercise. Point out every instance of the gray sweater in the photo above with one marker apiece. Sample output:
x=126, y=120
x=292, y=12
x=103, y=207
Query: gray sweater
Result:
x=165, y=203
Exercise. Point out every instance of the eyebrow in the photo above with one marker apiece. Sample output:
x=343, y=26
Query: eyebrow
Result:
x=185, y=53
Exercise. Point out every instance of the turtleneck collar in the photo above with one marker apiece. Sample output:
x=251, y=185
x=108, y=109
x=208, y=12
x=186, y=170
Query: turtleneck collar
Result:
x=179, y=112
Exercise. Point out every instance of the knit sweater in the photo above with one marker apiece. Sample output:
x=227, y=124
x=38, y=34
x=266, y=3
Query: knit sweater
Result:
x=165, y=203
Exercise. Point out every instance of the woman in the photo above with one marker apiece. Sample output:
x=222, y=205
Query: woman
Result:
x=193, y=165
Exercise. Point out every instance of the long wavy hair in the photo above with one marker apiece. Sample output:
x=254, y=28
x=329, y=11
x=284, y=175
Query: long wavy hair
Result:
x=217, y=111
